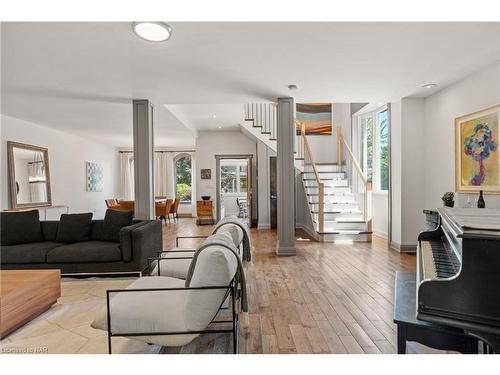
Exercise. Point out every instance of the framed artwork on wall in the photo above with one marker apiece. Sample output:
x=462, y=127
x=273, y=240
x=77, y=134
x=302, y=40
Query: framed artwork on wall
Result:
x=206, y=174
x=94, y=176
x=477, y=159
x=316, y=118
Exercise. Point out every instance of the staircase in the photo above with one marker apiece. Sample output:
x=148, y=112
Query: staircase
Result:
x=336, y=194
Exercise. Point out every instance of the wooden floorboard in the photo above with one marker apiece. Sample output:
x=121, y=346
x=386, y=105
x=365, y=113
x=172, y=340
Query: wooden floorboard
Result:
x=329, y=298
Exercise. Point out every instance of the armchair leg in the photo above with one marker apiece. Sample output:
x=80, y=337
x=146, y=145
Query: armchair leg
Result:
x=109, y=344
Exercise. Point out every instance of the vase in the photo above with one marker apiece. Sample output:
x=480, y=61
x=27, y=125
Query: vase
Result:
x=449, y=203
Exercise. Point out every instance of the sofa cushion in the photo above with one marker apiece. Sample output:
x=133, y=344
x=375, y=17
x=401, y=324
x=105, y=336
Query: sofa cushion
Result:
x=86, y=252
x=114, y=221
x=33, y=252
x=74, y=228
x=20, y=227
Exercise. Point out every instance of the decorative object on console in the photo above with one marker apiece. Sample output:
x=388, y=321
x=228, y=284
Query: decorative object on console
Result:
x=480, y=200
x=447, y=199
x=94, y=176
x=477, y=159
x=316, y=118
x=206, y=174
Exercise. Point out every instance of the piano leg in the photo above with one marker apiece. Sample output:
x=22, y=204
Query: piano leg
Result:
x=401, y=339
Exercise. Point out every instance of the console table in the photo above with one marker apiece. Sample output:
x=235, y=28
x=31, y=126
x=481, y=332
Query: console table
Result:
x=204, y=212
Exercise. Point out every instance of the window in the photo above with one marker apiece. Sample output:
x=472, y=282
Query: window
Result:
x=382, y=151
x=366, y=122
x=233, y=179
x=375, y=147
x=183, y=173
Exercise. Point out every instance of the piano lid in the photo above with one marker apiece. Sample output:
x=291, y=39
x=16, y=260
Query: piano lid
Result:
x=473, y=222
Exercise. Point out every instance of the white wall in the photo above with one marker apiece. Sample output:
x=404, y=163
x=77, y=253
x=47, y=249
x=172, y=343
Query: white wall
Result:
x=478, y=91
x=423, y=149
x=263, y=155
x=380, y=213
x=396, y=165
x=67, y=157
x=209, y=144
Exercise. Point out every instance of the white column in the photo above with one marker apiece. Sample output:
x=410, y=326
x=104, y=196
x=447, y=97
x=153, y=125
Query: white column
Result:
x=143, y=159
x=286, y=178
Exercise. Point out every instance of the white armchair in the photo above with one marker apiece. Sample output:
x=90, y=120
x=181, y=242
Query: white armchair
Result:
x=163, y=310
x=179, y=258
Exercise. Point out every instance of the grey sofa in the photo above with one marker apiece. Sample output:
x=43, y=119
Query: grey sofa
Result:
x=127, y=252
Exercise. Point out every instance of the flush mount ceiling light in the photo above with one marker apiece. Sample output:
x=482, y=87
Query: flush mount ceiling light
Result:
x=152, y=31
x=429, y=86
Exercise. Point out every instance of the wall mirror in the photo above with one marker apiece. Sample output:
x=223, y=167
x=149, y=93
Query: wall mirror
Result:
x=29, y=175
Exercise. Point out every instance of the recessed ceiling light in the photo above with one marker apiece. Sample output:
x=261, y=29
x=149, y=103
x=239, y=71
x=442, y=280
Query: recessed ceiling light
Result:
x=219, y=127
x=429, y=86
x=152, y=31
x=214, y=116
x=292, y=87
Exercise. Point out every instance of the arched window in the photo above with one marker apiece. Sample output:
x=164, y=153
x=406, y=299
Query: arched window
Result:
x=183, y=178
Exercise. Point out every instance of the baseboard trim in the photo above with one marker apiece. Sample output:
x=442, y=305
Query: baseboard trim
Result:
x=403, y=248
x=286, y=251
x=185, y=215
x=263, y=226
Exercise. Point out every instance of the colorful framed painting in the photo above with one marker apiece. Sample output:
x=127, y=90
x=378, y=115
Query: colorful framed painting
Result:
x=477, y=159
x=315, y=117
x=94, y=176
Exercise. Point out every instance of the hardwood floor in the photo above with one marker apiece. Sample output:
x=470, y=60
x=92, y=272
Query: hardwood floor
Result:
x=329, y=298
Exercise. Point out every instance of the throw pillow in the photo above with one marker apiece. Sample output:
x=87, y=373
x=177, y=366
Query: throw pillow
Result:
x=114, y=221
x=20, y=227
x=74, y=228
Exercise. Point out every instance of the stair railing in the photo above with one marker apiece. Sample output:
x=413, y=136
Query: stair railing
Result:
x=310, y=166
x=358, y=182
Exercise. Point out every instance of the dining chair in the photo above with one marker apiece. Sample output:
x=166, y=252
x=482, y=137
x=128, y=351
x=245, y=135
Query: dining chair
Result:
x=174, y=208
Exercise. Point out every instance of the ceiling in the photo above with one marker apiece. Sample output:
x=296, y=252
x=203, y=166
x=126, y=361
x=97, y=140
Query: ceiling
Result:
x=81, y=77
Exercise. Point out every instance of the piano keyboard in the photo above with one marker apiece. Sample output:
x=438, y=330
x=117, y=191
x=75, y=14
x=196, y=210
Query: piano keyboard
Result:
x=437, y=261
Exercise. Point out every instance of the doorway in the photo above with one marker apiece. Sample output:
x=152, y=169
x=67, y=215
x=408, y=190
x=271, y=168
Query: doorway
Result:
x=234, y=187
x=273, y=192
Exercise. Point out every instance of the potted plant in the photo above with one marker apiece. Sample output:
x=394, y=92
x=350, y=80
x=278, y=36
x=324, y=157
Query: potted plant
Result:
x=448, y=199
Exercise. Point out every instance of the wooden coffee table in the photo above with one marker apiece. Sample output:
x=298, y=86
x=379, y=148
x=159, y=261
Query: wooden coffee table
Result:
x=24, y=294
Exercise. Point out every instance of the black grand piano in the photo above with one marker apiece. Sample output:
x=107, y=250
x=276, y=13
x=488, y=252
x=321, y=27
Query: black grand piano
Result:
x=458, y=273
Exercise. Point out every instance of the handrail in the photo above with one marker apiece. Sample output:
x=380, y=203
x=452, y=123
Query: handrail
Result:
x=351, y=156
x=321, y=186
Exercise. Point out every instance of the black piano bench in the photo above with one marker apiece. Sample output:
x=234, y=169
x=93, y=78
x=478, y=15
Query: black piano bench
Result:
x=426, y=333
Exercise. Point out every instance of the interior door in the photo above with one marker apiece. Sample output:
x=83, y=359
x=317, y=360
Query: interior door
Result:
x=249, y=191
x=273, y=192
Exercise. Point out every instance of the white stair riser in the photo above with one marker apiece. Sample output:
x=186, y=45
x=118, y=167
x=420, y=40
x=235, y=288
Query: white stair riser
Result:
x=328, y=168
x=327, y=183
x=341, y=198
x=336, y=206
x=346, y=237
x=339, y=216
x=332, y=226
x=330, y=175
x=329, y=190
